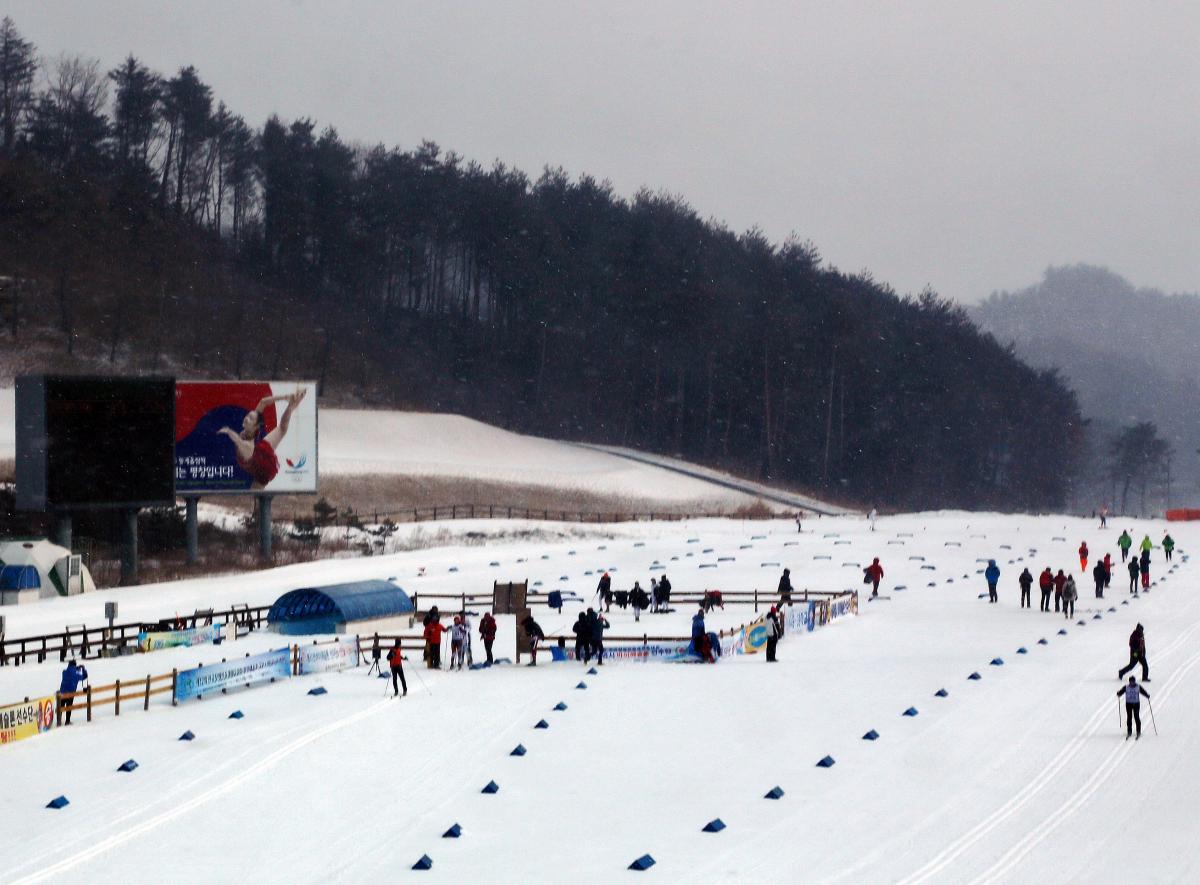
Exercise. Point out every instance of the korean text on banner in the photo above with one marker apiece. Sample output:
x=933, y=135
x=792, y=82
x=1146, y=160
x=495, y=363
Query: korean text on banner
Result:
x=324, y=658
x=31, y=717
x=176, y=638
x=243, y=671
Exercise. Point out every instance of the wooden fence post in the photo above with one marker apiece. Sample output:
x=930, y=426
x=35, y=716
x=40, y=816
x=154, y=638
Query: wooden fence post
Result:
x=146, y=706
x=174, y=685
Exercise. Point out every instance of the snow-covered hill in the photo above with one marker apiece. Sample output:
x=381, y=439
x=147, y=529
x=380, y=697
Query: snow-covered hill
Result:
x=1020, y=776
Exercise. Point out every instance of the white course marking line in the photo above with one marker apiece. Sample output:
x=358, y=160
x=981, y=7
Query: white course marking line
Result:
x=1043, y=779
x=169, y=815
x=1106, y=769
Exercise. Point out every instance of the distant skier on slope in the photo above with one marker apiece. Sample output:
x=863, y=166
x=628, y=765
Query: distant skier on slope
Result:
x=395, y=659
x=1100, y=576
x=1124, y=542
x=1026, y=582
x=1168, y=546
x=1083, y=556
x=1046, y=584
x=871, y=517
x=1107, y=570
x=1133, y=702
x=1137, y=654
x=992, y=576
x=873, y=575
x=1069, y=595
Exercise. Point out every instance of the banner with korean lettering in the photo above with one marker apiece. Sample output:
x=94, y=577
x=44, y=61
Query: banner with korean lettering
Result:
x=332, y=656
x=177, y=638
x=245, y=436
x=26, y=719
x=211, y=678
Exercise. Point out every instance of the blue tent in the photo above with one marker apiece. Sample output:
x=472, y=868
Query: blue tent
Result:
x=330, y=609
x=19, y=577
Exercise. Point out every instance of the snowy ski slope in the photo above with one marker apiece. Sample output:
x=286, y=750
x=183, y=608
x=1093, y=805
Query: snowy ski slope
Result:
x=1020, y=776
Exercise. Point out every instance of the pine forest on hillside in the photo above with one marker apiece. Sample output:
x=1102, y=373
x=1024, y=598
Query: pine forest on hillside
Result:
x=146, y=226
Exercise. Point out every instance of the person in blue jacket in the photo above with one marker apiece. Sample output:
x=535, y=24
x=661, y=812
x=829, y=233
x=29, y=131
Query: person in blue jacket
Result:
x=993, y=578
x=71, y=677
x=700, y=641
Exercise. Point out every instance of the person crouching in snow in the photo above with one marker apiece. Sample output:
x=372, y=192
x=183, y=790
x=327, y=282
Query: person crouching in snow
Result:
x=458, y=642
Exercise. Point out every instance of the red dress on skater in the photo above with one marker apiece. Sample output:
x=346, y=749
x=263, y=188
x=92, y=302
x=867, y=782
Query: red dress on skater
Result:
x=263, y=464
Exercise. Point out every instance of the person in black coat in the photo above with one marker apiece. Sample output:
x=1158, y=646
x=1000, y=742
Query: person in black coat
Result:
x=774, y=631
x=583, y=638
x=534, y=631
x=664, y=592
x=604, y=592
x=599, y=625
x=1026, y=582
x=785, y=586
x=1134, y=569
x=1100, y=575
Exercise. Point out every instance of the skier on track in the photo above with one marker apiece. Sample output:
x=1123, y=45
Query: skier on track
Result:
x=1046, y=584
x=1137, y=654
x=1100, y=576
x=1060, y=581
x=1133, y=702
x=1168, y=546
x=1124, y=542
x=395, y=659
x=1026, y=582
x=487, y=632
x=1083, y=556
x=458, y=640
x=992, y=576
x=874, y=574
x=774, y=631
x=1069, y=595
x=1107, y=569
x=1133, y=575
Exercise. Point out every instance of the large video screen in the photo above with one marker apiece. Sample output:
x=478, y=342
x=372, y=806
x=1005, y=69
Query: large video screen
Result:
x=239, y=437
x=85, y=442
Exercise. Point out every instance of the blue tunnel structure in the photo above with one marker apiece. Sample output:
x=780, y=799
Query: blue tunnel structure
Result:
x=359, y=606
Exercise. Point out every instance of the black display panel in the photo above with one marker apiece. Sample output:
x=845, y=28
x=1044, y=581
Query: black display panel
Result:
x=89, y=442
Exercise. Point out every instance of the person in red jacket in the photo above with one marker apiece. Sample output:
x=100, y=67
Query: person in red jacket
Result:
x=1083, y=556
x=1045, y=584
x=395, y=660
x=433, y=638
x=487, y=632
x=1060, y=581
x=874, y=573
x=1107, y=569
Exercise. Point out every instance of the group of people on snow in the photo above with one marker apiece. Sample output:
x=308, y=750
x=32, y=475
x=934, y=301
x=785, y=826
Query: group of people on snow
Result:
x=657, y=600
x=589, y=630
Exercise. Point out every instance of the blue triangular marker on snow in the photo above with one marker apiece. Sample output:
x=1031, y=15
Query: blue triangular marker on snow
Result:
x=582, y=685
x=542, y=723
x=997, y=662
x=453, y=833
x=1022, y=650
x=774, y=793
x=236, y=714
x=127, y=765
x=911, y=711
x=975, y=676
x=1112, y=608
x=1124, y=602
x=714, y=826
x=492, y=787
x=1097, y=616
x=424, y=863
x=187, y=736
x=1043, y=641
x=318, y=690
x=1081, y=623
x=58, y=802
x=642, y=864
x=941, y=693
x=1062, y=632
x=827, y=762
x=560, y=706
x=593, y=672
x=871, y=735
x=518, y=750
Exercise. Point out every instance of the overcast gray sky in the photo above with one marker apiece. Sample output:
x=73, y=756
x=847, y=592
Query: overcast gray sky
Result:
x=958, y=143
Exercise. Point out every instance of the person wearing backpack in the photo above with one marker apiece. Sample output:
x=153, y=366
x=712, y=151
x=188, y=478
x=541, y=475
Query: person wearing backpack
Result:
x=395, y=659
x=872, y=575
x=1069, y=595
x=774, y=630
x=1133, y=702
x=487, y=632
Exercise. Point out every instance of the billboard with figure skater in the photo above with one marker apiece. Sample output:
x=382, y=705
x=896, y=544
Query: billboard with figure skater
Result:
x=245, y=437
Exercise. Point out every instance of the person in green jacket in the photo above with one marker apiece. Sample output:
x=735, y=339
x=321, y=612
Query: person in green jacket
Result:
x=1168, y=546
x=1147, y=544
x=1124, y=542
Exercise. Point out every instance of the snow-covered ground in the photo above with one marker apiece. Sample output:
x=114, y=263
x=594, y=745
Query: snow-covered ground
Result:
x=1020, y=776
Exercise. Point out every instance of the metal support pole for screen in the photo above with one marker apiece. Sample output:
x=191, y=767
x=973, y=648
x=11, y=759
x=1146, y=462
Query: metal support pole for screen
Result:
x=264, y=526
x=62, y=529
x=129, y=546
x=192, y=527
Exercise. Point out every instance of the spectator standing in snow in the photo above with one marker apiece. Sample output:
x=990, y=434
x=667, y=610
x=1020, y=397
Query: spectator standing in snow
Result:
x=1026, y=582
x=1060, y=581
x=598, y=627
x=1144, y=569
x=785, y=586
x=654, y=595
x=604, y=592
x=992, y=575
x=487, y=632
x=638, y=600
x=433, y=642
x=71, y=677
x=534, y=631
x=1137, y=654
x=873, y=574
x=458, y=639
x=395, y=659
x=1083, y=557
x=664, y=590
x=1168, y=546
x=430, y=616
x=1104, y=517
x=1134, y=568
x=1099, y=575
x=773, y=632
x=1107, y=569
x=1069, y=595
x=1046, y=584
x=1124, y=542
x=1133, y=703
x=583, y=638
x=799, y=529
x=871, y=517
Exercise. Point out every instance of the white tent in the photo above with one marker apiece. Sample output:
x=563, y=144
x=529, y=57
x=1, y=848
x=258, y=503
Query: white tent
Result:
x=33, y=568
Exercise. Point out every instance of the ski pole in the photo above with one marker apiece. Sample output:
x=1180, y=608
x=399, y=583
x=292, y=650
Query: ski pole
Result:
x=1119, y=713
x=421, y=679
x=1152, y=722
